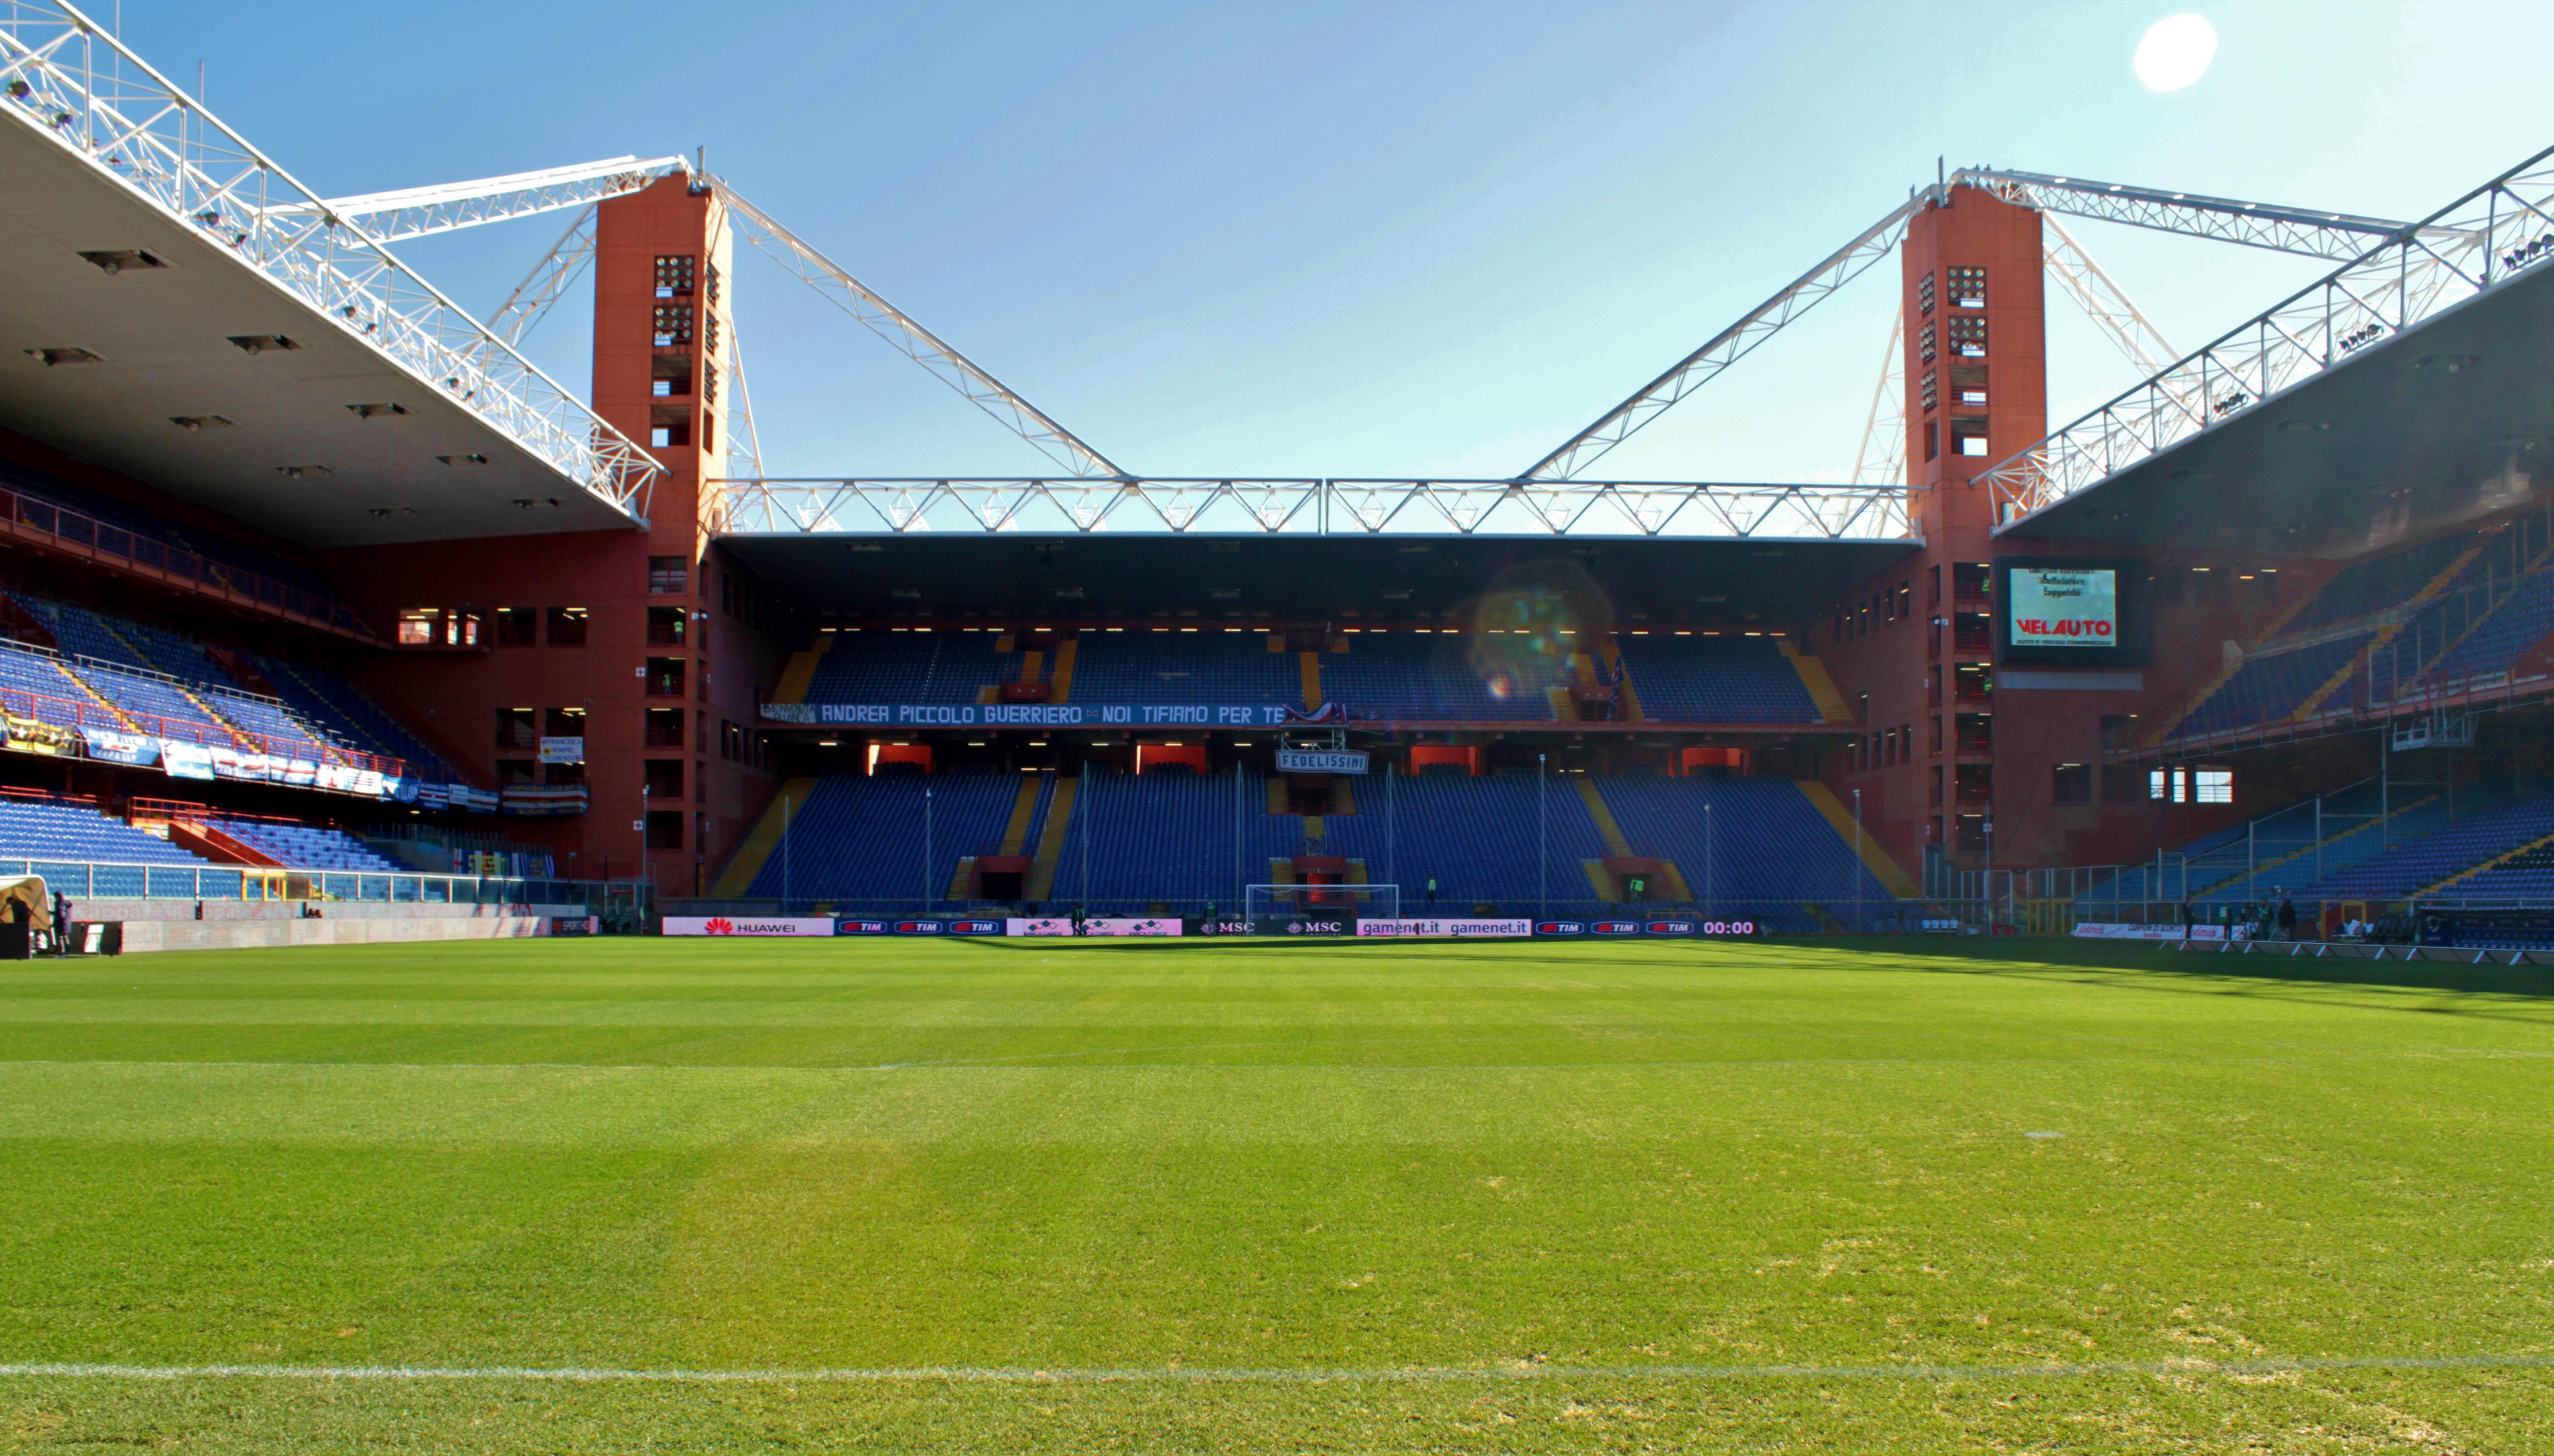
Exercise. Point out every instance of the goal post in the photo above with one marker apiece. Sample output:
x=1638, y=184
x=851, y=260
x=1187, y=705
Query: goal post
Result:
x=1323, y=902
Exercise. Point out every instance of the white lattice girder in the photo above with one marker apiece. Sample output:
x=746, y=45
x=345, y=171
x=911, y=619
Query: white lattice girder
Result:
x=2475, y=244
x=915, y=342
x=548, y=283
x=63, y=76
x=2300, y=230
x=1881, y=458
x=1657, y=510
x=2253, y=224
x=417, y=212
x=1727, y=347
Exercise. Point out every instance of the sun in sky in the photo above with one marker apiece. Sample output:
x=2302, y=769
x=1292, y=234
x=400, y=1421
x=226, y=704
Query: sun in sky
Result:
x=2175, y=52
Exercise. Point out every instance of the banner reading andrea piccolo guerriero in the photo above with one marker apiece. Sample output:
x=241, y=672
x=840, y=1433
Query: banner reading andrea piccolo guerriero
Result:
x=1031, y=714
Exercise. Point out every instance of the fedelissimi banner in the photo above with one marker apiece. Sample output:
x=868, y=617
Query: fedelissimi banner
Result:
x=1028, y=714
x=1476, y=929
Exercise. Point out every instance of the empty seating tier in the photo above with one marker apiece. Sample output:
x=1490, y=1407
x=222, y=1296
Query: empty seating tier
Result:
x=1146, y=666
x=1715, y=679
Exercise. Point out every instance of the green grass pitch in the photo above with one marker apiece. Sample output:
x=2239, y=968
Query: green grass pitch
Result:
x=683, y=1195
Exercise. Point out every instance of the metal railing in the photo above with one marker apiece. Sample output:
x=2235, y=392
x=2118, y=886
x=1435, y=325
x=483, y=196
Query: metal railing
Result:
x=69, y=527
x=88, y=879
x=78, y=713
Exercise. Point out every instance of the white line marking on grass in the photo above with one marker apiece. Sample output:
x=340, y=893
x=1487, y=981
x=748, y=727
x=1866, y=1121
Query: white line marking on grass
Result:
x=1047, y=1061
x=1173, y=1375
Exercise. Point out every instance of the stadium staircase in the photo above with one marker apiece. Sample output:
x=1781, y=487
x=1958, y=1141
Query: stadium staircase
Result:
x=1820, y=684
x=211, y=842
x=1051, y=839
x=1312, y=670
x=2342, y=848
x=763, y=838
x=1605, y=875
x=2533, y=851
x=1874, y=859
x=2412, y=606
x=1627, y=697
x=800, y=670
x=1059, y=678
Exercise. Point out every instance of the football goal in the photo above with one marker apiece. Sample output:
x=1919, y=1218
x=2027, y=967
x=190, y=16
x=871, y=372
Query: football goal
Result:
x=1323, y=902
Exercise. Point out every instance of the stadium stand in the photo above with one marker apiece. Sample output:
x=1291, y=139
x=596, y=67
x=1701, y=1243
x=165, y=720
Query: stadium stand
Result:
x=2519, y=621
x=44, y=689
x=1170, y=836
x=2272, y=684
x=343, y=713
x=1765, y=846
x=861, y=837
x=2473, y=839
x=2527, y=876
x=1441, y=678
x=1204, y=667
x=2379, y=582
x=302, y=847
x=63, y=831
x=1715, y=679
x=40, y=494
x=895, y=666
x=104, y=670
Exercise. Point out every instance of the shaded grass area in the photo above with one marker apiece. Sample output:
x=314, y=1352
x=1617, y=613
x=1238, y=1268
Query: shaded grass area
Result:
x=1557, y=1180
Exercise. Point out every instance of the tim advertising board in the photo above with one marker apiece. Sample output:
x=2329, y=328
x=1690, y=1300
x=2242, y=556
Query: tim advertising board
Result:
x=2076, y=612
x=747, y=925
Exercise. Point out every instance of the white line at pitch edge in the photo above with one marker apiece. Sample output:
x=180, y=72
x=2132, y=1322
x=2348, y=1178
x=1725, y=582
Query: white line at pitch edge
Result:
x=973, y=1374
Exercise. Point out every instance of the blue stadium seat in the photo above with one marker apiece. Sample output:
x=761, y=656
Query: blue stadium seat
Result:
x=1727, y=678
x=890, y=666
x=40, y=830
x=1477, y=676
x=303, y=846
x=860, y=837
x=1142, y=665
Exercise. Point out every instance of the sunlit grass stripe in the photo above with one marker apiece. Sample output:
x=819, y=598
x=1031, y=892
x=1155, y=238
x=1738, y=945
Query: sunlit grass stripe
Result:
x=1180, y=1375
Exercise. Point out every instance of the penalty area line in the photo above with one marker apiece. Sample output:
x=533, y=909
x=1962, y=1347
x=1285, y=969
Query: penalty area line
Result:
x=1178, y=1375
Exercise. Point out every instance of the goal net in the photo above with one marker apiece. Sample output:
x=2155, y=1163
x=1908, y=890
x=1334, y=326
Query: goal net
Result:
x=1323, y=902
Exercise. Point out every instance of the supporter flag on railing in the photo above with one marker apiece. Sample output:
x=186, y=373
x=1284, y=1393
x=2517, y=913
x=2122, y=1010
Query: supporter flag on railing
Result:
x=181, y=760
x=29, y=736
x=119, y=748
x=1327, y=713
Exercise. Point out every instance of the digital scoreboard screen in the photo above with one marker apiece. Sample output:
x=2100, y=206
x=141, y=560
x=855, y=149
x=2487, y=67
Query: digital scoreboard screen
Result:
x=2072, y=612
x=2063, y=607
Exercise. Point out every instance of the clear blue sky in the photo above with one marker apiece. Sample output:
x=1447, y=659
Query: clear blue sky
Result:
x=1362, y=239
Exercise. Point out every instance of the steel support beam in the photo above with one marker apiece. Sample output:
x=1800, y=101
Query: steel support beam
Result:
x=1727, y=347
x=2476, y=244
x=1655, y=509
x=915, y=342
x=417, y=212
x=2305, y=231
x=63, y=76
